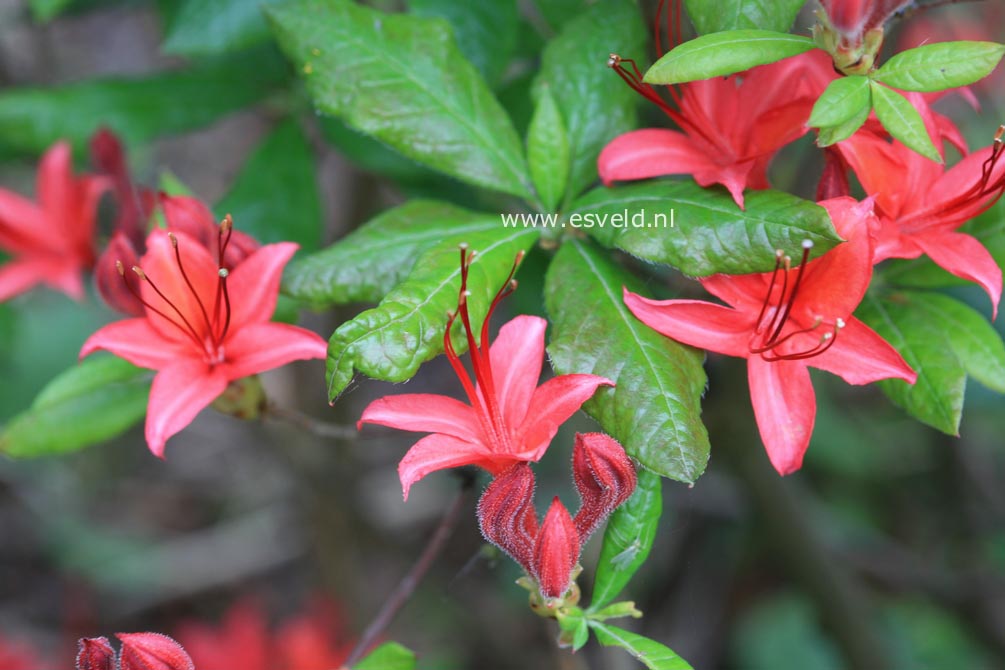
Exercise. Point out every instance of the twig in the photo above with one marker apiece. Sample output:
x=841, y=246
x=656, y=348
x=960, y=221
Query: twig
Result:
x=309, y=423
x=406, y=587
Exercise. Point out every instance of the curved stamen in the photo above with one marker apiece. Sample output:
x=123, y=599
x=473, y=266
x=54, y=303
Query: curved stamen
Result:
x=188, y=282
x=187, y=328
x=827, y=340
x=807, y=245
x=779, y=256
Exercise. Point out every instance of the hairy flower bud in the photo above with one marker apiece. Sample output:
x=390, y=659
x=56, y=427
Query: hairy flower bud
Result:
x=506, y=514
x=556, y=551
x=152, y=651
x=604, y=477
x=94, y=653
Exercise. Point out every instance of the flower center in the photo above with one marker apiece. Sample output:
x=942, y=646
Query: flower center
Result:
x=767, y=338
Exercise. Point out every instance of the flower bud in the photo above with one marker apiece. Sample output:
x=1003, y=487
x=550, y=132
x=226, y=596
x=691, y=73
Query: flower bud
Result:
x=506, y=514
x=556, y=551
x=113, y=286
x=152, y=651
x=94, y=653
x=604, y=477
x=190, y=216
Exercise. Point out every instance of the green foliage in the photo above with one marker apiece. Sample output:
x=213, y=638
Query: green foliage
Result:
x=388, y=656
x=902, y=121
x=710, y=234
x=712, y=16
x=46, y=10
x=781, y=632
x=843, y=100
x=655, y=409
x=725, y=53
x=940, y=66
x=210, y=27
x=652, y=654
x=548, y=150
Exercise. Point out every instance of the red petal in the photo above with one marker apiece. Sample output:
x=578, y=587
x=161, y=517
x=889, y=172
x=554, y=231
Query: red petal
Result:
x=54, y=184
x=264, y=346
x=556, y=551
x=651, y=152
x=23, y=225
x=111, y=284
x=516, y=358
x=965, y=257
x=161, y=265
x=188, y=215
x=424, y=413
x=178, y=394
x=241, y=641
x=21, y=275
x=136, y=341
x=506, y=514
x=785, y=407
x=438, y=452
x=695, y=322
x=604, y=477
x=95, y=653
x=254, y=284
x=861, y=356
x=152, y=651
x=551, y=405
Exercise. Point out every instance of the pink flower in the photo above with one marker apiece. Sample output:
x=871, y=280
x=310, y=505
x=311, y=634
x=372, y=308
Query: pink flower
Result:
x=784, y=321
x=51, y=241
x=140, y=651
x=205, y=323
x=510, y=419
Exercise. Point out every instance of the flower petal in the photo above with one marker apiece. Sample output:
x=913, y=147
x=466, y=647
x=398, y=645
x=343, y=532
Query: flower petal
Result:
x=551, y=405
x=22, y=224
x=785, y=407
x=54, y=183
x=263, y=346
x=254, y=284
x=136, y=341
x=696, y=322
x=965, y=257
x=860, y=356
x=424, y=413
x=516, y=357
x=437, y=452
x=178, y=394
x=21, y=275
x=651, y=152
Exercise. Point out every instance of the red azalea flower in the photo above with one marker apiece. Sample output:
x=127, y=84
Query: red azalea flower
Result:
x=730, y=128
x=205, y=324
x=51, y=241
x=921, y=204
x=784, y=321
x=510, y=418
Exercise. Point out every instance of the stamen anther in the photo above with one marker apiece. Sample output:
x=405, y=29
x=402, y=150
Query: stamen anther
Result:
x=807, y=244
x=614, y=60
x=223, y=272
x=174, y=240
x=121, y=268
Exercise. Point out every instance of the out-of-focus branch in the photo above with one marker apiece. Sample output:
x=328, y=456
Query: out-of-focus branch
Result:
x=309, y=424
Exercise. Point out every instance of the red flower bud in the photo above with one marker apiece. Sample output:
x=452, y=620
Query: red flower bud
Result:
x=506, y=514
x=112, y=284
x=152, y=651
x=94, y=653
x=190, y=216
x=556, y=551
x=604, y=477
x=135, y=204
x=834, y=179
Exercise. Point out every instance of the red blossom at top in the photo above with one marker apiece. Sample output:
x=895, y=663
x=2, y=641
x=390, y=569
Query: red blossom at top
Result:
x=140, y=651
x=205, y=323
x=510, y=419
x=854, y=18
x=784, y=321
x=51, y=241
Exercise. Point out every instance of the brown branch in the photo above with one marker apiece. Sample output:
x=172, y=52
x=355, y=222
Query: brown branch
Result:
x=309, y=424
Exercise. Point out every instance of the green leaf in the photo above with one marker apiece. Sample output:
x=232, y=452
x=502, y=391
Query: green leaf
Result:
x=725, y=53
x=709, y=233
x=712, y=16
x=31, y=119
x=92, y=402
x=937, y=397
x=275, y=196
x=378, y=255
x=628, y=539
x=548, y=150
x=575, y=631
x=655, y=409
x=391, y=341
x=902, y=121
x=46, y=10
x=388, y=656
x=209, y=27
x=596, y=105
x=653, y=655
x=403, y=80
x=843, y=100
x=486, y=31
x=940, y=66
x=828, y=136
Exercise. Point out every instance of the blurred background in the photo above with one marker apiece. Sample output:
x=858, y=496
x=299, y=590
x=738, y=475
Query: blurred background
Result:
x=274, y=540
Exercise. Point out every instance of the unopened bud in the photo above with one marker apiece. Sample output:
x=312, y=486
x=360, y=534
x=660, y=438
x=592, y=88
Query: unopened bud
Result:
x=604, y=477
x=556, y=551
x=152, y=651
x=94, y=653
x=507, y=517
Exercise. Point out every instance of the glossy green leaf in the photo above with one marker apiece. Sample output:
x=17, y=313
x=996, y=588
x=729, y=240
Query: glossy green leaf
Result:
x=208, y=27
x=937, y=397
x=391, y=341
x=712, y=16
x=834, y=134
x=403, y=80
x=843, y=100
x=725, y=53
x=486, y=31
x=388, y=656
x=275, y=196
x=596, y=104
x=31, y=119
x=92, y=402
x=940, y=66
x=902, y=121
x=628, y=539
x=710, y=233
x=652, y=654
x=548, y=150
x=655, y=409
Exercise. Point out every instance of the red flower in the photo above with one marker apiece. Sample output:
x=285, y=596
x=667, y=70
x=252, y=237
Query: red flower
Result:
x=140, y=651
x=205, y=324
x=510, y=419
x=784, y=321
x=51, y=242
x=854, y=18
x=17, y=656
x=921, y=204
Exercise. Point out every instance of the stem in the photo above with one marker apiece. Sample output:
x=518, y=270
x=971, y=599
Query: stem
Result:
x=406, y=587
x=309, y=423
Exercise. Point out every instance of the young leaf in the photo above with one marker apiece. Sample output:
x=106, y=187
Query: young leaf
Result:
x=724, y=53
x=834, y=134
x=940, y=66
x=596, y=106
x=843, y=100
x=713, y=16
x=902, y=121
x=391, y=341
x=709, y=234
x=628, y=539
x=94, y=401
x=655, y=409
x=548, y=150
x=403, y=80
x=210, y=27
x=653, y=655
x=275, y=196
x=388, y=656
x=375, y=257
